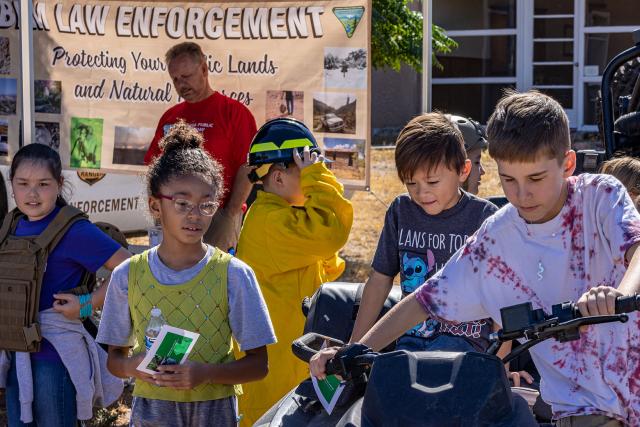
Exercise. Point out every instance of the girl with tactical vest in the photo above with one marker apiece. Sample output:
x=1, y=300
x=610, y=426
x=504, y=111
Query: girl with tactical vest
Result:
x=57, y=382
x=197, y=287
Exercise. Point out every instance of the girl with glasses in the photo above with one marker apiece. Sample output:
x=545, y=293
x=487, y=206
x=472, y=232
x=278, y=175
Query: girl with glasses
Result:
x=198, y=287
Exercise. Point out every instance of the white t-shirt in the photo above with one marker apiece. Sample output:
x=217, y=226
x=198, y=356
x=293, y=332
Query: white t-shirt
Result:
x=509, y=262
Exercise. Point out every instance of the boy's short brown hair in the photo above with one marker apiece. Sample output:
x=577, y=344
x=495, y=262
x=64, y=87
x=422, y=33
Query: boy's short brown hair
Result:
x=427, y=141
x=528, y=126
x=185, y=48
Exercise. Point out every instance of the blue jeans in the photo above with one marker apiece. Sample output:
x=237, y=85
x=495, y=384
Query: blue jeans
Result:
x=54, y=396
x=439, y=343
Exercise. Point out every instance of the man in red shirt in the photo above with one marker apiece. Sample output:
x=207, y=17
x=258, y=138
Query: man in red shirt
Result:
x=228, y=128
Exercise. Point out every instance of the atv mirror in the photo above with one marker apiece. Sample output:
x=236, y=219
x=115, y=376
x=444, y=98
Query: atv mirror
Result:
x=517, y=318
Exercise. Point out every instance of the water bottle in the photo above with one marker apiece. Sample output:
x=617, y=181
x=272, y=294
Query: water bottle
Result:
x=155, y=235
x=153, y=327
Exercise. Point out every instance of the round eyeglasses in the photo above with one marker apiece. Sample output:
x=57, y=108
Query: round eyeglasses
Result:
x=185, y=206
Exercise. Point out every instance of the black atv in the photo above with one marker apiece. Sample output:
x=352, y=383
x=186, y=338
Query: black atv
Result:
x=431, y=389
x=619, y=113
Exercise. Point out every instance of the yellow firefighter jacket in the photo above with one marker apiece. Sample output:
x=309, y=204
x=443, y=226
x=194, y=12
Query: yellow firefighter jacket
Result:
x=292, y=251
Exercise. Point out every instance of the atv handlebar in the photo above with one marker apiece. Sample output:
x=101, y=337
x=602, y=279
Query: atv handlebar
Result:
x=309, y=344
x=359, y=356
x=627, y=304
x=521, y=320
x=518, y=321
x=563, y=324
x=351, y=362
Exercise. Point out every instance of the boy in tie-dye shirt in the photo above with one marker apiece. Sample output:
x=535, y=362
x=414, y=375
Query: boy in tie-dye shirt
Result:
x=561, y=238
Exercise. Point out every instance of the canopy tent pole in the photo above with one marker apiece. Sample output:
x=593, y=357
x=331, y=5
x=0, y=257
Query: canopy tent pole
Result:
x=26, y=71
x=427, y=20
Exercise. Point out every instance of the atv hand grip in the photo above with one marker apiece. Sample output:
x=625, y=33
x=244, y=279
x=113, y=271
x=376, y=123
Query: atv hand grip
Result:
x=309, y=344
x=301, y=349
x=333, y=367
x=627, y=304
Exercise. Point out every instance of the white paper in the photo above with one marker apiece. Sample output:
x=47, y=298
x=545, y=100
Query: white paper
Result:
x=169, y=334
x=328, y=405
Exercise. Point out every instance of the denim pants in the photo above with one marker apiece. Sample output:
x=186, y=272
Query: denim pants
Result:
x=54, y=396
x=588, y=421
x=439, y=343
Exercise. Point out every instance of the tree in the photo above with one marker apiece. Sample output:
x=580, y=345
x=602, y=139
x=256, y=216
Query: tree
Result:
x=397, y=36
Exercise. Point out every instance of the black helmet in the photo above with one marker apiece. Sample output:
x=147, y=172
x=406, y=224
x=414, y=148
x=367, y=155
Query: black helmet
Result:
x=274, y=143
x=473, y=134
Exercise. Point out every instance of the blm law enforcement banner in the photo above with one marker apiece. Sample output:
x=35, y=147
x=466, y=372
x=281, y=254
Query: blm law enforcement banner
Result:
x=101, y=83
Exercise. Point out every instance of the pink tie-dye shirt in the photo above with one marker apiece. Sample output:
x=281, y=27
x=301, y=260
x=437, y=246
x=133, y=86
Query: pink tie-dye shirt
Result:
x=584, y=246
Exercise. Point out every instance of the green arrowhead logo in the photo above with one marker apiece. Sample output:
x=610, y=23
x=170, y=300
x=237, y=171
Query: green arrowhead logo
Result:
x=349, y=17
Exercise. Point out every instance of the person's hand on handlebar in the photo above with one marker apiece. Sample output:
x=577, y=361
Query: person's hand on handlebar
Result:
x=599, y=301
x=319, y=361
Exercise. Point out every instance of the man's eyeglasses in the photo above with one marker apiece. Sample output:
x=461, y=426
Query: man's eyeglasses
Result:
x=184, y=206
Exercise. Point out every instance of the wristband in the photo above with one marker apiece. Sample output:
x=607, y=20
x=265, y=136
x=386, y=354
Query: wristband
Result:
x=86, y=308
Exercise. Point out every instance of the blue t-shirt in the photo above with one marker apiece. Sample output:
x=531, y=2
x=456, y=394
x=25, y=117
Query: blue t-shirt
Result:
x=417, y=245
x=83, y=247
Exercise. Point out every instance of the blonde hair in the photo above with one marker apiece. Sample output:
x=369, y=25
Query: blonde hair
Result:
x=627, y=170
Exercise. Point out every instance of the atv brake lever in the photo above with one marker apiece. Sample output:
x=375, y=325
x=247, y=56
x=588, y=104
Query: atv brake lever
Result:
x=563, y=331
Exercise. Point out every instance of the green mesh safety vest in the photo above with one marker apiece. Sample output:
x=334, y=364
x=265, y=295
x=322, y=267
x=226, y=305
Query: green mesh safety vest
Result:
x=200, y=305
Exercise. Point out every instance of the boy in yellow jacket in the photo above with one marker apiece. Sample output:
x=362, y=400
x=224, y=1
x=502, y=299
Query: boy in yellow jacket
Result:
x=290, y=238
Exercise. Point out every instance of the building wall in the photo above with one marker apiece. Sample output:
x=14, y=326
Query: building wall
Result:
x=395, y=99
x=476, y=74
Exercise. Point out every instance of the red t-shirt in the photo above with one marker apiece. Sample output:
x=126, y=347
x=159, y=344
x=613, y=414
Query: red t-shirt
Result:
x=228, y=128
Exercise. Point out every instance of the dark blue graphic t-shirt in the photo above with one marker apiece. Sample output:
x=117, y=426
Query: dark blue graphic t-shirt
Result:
x=416, y=245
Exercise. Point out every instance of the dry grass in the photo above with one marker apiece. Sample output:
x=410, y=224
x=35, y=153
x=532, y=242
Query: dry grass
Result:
x=490, y=181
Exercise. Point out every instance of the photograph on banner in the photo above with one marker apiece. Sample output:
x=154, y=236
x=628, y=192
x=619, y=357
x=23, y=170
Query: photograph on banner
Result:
x=4, y=137
x=47, y=96
x=347, y=155
x=345, y=68
x=86, y=142
x=5, y=56
x=106, y=62
x=285, y=103
x=8, y=96
x=48, y=133
x=131, y=144
x=334, y=112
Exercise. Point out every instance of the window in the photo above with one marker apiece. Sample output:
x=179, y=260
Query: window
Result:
x=475, y=75
x=591, y=107
x=469, y=100
x=454, y=15
x=600, y=48
x=480, y=56
x=545, y=75
x=553, y=7
x=611, y=12
x=608, y=27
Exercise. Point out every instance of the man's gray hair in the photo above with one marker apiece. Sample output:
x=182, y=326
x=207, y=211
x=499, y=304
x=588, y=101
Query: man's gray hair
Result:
x=186, y=48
